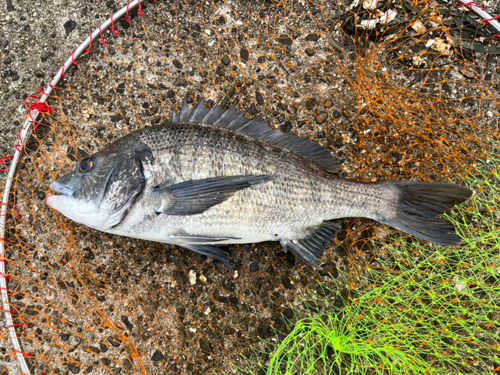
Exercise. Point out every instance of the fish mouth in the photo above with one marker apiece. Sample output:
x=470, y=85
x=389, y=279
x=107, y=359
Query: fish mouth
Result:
x=61, y=189
x=55, y=200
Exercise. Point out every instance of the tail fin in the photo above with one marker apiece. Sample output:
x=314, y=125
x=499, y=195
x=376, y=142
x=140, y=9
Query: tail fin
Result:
x=417, y=206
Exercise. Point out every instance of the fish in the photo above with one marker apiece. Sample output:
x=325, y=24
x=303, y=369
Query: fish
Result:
x=211, y=177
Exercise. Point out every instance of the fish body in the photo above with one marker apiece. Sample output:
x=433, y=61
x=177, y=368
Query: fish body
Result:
x=212, y=177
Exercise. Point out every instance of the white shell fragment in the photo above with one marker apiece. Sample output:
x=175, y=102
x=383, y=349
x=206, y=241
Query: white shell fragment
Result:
x=439, y=45
x=419, y=27
x=384, y=18
x=370, y=4
x=192, y=277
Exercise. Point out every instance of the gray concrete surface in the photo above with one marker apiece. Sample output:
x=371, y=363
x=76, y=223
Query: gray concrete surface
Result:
x=36, y=37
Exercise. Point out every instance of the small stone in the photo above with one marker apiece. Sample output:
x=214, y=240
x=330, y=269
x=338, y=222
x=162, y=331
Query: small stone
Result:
x=10, y=7
x=75, y=154
x=244, y=54
x=157, y=356
x=205, y=346
x=145, y=105
x=12, y=74
x=127, y=322
x=312, y=37
x=177, y=64
x=309, y=52
x=124, y=24
x=322, y=117
x=329, y=271
x=287, y=283
x=286, y=127
x=254, y=267
x=116, y=118
x=105, y=361
x=290, y=259
x=181, y=81
x=127, y=363
x=69, y=27
x=285, y=40
x=226, y=60
x=94, y=349
x=323, y=291
x=261, y=59
x=328, y=103
x=115, y=342
x=259, y=98
x=39, y=73
x=19, y=296
x=120, y=88
x=337, y=114
x=170, y=94
x=44, y=58
x=65, y=336
x=310, y=104
x=111, y=51
x=219, y=71
x=84, y=11
x=103, y=347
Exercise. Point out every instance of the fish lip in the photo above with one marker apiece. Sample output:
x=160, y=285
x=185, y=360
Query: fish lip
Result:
x=62, y=189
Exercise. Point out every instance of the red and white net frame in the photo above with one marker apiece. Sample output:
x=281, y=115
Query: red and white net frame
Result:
x=39, y=107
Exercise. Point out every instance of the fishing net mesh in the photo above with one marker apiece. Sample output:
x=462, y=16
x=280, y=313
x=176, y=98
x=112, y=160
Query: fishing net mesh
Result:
x=413, y=97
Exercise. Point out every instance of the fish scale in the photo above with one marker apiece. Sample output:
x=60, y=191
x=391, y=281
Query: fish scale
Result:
x=212, y=176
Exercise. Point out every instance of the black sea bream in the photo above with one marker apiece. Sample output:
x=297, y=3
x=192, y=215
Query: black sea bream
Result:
x=212, y=176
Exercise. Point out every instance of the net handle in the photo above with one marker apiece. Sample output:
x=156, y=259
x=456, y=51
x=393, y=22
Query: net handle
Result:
x=28, y=125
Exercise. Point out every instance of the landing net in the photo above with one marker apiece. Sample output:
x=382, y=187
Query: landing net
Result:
x=394, y=89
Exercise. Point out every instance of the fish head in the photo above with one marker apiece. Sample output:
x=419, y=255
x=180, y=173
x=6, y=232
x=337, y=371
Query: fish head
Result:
x=99, y=189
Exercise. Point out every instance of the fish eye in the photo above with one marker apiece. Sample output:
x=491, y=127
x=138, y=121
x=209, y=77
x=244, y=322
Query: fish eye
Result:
x=86, y=165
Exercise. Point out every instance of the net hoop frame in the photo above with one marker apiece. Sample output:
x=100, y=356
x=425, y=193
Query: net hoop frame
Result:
x=24, y=134
x=481, y=12
x=30, y=121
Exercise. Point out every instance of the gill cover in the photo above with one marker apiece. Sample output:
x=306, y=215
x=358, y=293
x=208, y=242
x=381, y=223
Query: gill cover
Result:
x=124, y=185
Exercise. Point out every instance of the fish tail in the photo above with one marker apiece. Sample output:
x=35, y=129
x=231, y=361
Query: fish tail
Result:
x=415, y=206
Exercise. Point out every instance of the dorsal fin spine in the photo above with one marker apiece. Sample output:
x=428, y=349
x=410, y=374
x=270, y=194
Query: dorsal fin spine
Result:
x=258, y=129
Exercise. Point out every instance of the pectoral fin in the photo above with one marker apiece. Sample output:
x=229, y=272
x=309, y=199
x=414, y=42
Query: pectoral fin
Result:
x=196, y=196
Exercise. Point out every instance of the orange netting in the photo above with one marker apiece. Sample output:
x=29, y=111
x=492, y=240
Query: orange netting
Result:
x=400, y=101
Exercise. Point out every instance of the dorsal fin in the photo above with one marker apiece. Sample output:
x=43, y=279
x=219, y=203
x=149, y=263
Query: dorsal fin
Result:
x=256, y=128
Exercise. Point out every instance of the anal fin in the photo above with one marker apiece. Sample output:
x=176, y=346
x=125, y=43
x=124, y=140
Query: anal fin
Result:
x=311, y=248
